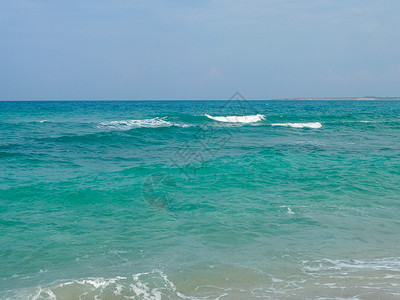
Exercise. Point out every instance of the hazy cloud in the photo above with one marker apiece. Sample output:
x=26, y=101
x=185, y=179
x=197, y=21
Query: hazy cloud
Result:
x=141, y=49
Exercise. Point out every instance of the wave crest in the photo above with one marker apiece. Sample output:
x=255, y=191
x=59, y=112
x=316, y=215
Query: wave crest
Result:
x=238, y=119
x=143, y=123
x=313, y=125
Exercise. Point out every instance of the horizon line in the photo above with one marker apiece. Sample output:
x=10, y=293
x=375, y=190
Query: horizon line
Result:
x=364, y=98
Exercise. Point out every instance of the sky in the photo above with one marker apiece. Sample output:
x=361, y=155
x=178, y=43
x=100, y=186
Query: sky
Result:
x=209, y=49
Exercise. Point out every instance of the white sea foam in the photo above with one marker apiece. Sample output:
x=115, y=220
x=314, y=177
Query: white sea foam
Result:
x=151, y=286
x=289, y=210
x=156, y=285
x=313, y=125
x=238, y=119
x=97, y=282
x=43, y=294
x=146, y=123
x=390, y=264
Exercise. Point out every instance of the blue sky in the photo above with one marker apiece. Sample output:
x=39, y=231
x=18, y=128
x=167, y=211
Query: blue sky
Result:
x=144, y=49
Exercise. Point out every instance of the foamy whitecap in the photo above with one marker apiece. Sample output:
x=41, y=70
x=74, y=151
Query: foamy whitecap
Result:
x=313, y=125
x=146, y=123
x=238, y=119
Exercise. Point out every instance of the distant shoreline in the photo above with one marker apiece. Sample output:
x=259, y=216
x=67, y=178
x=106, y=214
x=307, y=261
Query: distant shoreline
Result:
x=346, y=98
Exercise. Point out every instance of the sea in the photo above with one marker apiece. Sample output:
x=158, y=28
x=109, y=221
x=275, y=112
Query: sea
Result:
x=230, y=199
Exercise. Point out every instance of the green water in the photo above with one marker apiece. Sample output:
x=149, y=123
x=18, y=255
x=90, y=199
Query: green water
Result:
x=155, y=200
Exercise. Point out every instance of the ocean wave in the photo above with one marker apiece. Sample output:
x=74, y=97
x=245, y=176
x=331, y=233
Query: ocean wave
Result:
x=238, y=119
x=152, y=286
x=313, y=125
x=141, y=123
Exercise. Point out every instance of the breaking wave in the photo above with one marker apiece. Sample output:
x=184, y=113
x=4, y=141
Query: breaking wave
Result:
x=313, y=125
x=143, y=123
x=238, y=119
x=151, y=286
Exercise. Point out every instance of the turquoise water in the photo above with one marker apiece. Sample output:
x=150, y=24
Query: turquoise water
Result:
x=156, y=200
